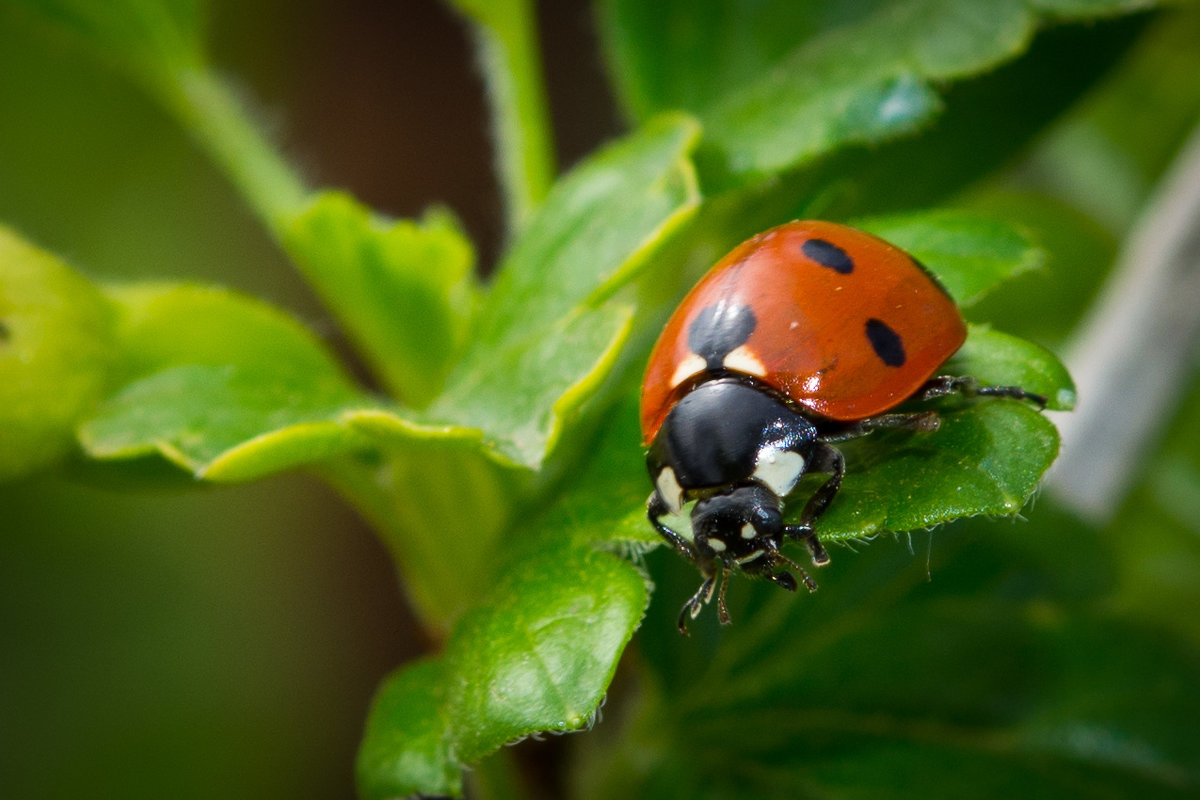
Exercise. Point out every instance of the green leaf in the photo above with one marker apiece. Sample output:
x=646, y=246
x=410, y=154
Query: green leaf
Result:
x=536, y=655
x=990, y=121
x=161, y=325
x=537, y=650
x=224, y=386
x=405, y=291
x=695, y=55
x=984, y=670
x=550, y=331
x=1000, y=359
x=987, y=459
x=540, y=655
x=971, y=255
x=56, y=350
x=405, y=751
x=547, y=381
x=786, y=82
x=224, y=423
x=773, y=126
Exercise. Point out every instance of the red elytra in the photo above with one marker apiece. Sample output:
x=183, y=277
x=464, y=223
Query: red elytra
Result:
x=843, y=323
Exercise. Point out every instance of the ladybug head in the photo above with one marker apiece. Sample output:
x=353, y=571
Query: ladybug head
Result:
x=737, y=450
x=739, y=526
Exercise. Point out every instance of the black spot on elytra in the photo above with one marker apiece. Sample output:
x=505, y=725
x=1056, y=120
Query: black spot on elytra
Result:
x=718, y=330
x=886, y=343
x=828, y=254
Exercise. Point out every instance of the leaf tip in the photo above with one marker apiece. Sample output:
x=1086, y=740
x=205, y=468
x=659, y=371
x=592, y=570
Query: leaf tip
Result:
x=1064, y=399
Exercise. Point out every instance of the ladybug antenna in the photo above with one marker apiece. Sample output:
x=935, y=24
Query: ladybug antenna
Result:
x=789, y=582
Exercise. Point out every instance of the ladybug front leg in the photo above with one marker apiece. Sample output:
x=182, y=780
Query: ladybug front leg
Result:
x=695, y=604
x=825, y=458
x=926, y=421
x=656, y=508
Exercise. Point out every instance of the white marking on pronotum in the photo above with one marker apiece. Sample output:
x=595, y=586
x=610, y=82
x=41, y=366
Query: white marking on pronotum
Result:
x=717, y=545
x=687, y=368
x=748, y=531
x=670, y=490
x=778, y=470
x=742, y=359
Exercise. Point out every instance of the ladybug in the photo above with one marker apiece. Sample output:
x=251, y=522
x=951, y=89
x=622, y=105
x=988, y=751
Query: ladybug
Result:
x=807, y=334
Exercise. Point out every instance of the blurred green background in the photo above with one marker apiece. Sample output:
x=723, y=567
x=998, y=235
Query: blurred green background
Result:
x=225, y=642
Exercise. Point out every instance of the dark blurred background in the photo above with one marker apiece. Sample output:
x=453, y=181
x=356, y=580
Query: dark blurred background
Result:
x=226, y=642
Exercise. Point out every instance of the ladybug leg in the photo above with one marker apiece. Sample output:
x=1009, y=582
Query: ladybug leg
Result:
x=656, y=508
x=925, y=421
x=825, y=458
x=784, y=580
x=695, y=604
x=944, y=385
x=722, y=608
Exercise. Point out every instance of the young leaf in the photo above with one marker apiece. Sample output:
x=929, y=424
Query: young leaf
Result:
x=56, y=349
x=161, y=325
x=999, y=359
x=405, y=749
x=536, y=655
x=985, y=459
x=404, y=290
x=224, y=386
x=547, y=380
x=546, y=329
x=537, y=650
x=224, y=422
x=540, y=655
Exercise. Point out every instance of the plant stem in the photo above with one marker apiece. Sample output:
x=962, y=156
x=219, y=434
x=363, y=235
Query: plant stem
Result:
x=212, y=113
x=1133, y=352
x=415, y=501
x=511, y=59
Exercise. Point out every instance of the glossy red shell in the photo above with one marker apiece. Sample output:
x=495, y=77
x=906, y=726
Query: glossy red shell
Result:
x=810, y=324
